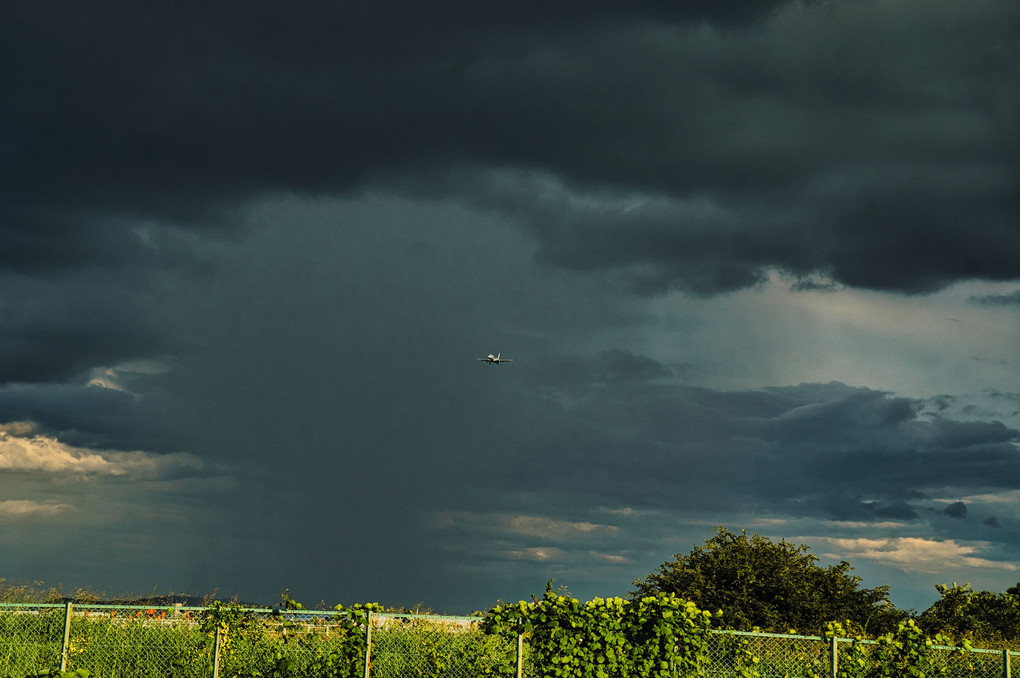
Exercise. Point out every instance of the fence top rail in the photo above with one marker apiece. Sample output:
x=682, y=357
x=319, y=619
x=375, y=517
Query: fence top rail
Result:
x=790, y=636
x=763, y=634
x=274, y=611
x=980, y=650
x=375, y=615
x=271, y=611
x=101, y=606
x=431, y=617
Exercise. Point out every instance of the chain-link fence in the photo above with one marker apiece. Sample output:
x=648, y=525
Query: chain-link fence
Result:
x=113, y=641
x=424, y=647
x=744, y=654
x=766, y=655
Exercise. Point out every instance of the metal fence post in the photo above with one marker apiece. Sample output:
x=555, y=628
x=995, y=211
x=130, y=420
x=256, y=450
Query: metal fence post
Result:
x=216, y=653
x=368, y=642
x=520, y=655
x=834, y=657
x=1005, y=662
x=67, y=637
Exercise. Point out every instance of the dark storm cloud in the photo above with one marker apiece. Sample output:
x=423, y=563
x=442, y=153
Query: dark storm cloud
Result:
x=821, y=450
x=956, y=510
x=615, y=368
x=637, y=461
x=830, y=138
x=92, y=416
x=119, y=107
x=50, y=336
x=896, y=510
x=1009, y=299
x=276, y=238
x=88, y=294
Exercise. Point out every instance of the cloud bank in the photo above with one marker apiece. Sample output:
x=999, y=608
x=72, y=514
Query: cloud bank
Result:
x=757, y=263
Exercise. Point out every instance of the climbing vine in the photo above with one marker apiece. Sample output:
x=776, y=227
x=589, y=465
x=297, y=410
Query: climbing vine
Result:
x=652, y=637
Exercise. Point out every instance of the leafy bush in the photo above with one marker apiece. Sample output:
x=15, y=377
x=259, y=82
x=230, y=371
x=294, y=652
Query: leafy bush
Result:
x=903, y=653
x=653, y=637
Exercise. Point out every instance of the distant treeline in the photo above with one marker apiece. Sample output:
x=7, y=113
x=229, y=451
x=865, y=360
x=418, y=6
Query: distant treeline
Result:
x=39, y=592
x=747, y=582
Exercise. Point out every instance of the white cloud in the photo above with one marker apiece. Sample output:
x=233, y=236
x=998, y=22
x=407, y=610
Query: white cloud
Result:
x=115, y=378
x=537, y=554
x=22, y=508
x=23, y=450
x=531, y=526
x=536, y=526
x=1006, y=497
x=614, y=558
x=862, y=525
x=913, y=554
x=765, y=522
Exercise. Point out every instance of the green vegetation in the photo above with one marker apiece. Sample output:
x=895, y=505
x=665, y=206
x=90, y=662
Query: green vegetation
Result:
x=688, y=617
x=656, y=636
x=759, y=584
x=992, y=619
x=38, y=592
x=107, y=641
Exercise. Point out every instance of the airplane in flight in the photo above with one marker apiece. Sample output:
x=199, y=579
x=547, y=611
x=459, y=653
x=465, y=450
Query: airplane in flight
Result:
x=495, y=359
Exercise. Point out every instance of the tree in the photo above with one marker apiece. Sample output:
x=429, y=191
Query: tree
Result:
x=978, y=616
x=758, y=583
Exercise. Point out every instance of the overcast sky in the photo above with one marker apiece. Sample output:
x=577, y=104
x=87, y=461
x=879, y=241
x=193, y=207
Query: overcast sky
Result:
x=757, y=264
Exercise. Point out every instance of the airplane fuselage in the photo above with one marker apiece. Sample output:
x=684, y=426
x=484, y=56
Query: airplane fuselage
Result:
x=495, y=359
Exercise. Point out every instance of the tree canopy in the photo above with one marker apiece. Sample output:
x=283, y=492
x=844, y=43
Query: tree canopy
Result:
x=758, y=583
x=964, y=614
